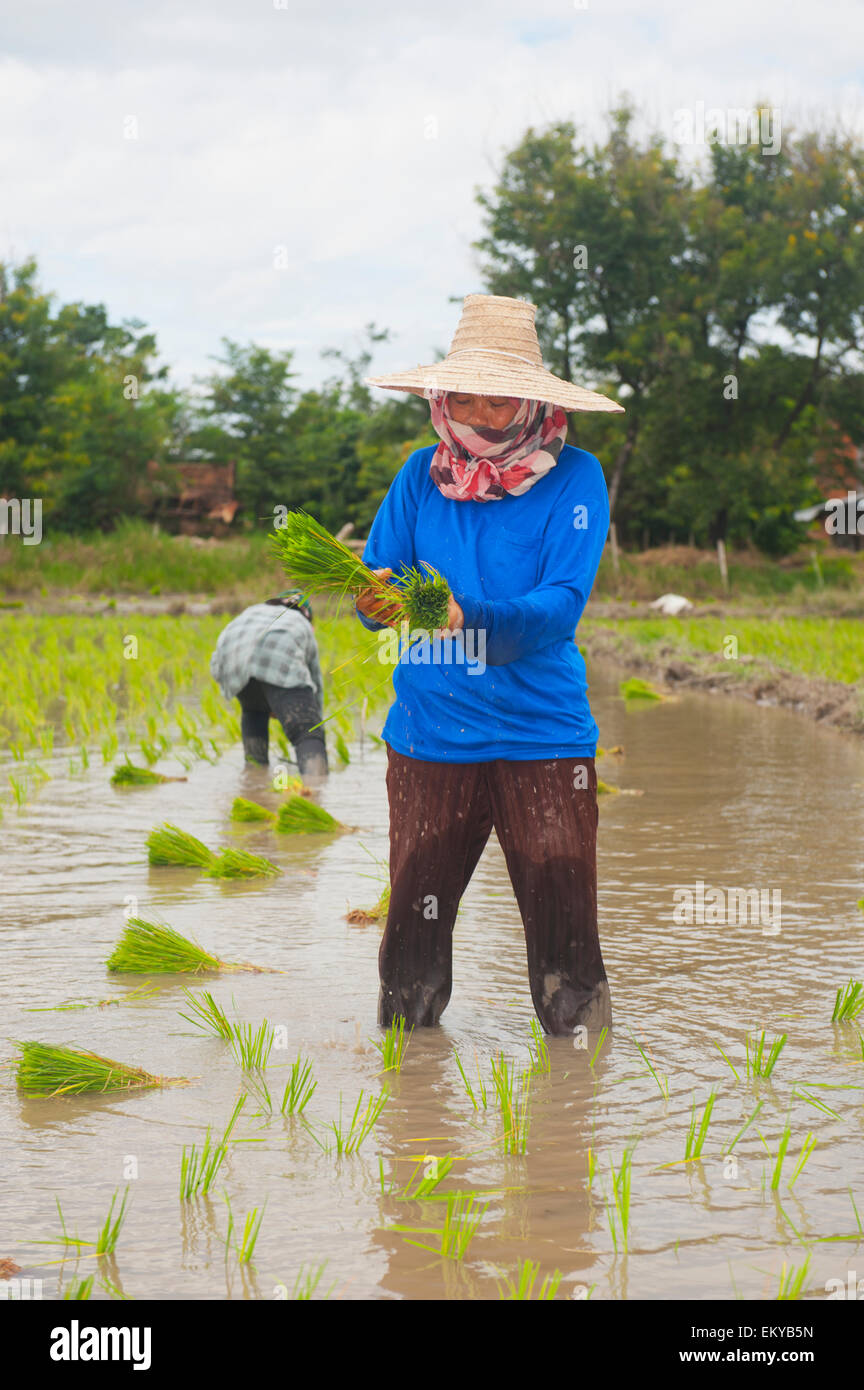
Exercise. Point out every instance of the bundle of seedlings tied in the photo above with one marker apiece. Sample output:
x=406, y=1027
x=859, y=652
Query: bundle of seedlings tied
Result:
x=46, y=1071
x=318, y=563
x=128, y=775
x=154, y=948
x=169, y=845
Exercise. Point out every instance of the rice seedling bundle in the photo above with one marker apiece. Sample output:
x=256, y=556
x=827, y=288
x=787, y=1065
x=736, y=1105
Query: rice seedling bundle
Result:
x=45, y=1071
x=244, y=810
x=297, y=816
x=636, y=689
x=392, y=1046
x=128, y=775
x=153, y=948
x=319, y=563
x=168, y=845
x=239, y=863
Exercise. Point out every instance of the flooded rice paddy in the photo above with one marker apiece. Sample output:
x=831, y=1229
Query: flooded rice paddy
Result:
x=733, y=796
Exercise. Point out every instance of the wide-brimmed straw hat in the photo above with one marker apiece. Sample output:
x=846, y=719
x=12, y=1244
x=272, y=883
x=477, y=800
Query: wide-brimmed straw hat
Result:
x=495, y=352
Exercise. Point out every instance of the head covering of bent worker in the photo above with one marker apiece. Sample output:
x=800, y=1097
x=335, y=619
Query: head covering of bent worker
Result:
x=294, y=598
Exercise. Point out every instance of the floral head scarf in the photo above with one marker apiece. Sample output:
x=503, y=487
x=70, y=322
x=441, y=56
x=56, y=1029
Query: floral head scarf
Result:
x=483, y=465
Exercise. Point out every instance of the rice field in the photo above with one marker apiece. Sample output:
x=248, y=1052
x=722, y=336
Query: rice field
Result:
x=708, y=1146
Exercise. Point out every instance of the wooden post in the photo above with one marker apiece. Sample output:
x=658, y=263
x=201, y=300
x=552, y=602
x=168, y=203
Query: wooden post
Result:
x=613, y=544
x=721, y=560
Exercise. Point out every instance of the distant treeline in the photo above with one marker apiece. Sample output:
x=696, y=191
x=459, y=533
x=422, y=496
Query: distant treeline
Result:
x=722, y=303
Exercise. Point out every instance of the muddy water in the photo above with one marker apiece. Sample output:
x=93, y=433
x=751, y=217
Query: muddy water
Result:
x=733, y=796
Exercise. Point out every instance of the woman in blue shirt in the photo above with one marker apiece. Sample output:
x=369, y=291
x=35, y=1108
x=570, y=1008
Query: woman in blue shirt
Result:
x=491, y=724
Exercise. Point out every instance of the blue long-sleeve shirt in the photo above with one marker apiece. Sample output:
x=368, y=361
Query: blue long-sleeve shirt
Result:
x=512, y=684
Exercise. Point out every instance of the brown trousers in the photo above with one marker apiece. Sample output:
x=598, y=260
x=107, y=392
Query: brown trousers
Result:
x=545, y=816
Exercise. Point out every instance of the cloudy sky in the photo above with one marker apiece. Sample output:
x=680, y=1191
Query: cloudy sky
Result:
x=286, y=171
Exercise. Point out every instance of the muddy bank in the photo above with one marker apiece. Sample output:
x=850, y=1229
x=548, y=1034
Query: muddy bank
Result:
x=747, y=678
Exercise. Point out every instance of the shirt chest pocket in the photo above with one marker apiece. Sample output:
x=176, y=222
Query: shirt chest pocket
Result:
x=510, y=564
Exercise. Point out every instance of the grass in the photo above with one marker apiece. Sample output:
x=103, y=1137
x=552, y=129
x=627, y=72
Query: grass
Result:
x=249, y=1234
x=461, y=1219
x=479, y=1100
x=299, y=1089
x=696, y=1138
x=128, y=775
x=198, y=1167
x=106, y=1241
x=792, y=1280
x=348, y=1138
x=168, y=845
x=619, y=1213
x=297, y=816
x=513, y=1105
x=522, y=1286
x=45, y=1071
x=541, y=1062
x=243, y=810
x=392, y=1046
x=251, y=1049
x=760, y=1063
x=154, y=948
x=208, y=1015
x=849, y=1002
x=662, y=1082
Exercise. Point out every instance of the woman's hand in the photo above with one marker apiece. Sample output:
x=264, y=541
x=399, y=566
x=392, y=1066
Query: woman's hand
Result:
x=455, y=616
x=372, y=604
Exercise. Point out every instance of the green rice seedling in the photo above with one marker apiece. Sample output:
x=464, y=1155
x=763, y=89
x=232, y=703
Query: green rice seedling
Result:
x=662, y=1082
x=435, y=1170
x=300, y=1088
x=307, y=1282
x=342, y=748
x=600, y=1041
x=781, y=1154
x=817, y=1104
x=792, y=1280
x=849, y=1002
x=348, y=1140
x=64, y=1238
x=249, y=1235
x=726, y=1060
x=106, y=1241
x=392, y=1046
x=806, y=1150
x=758, y=1062
x=636, y=689
x=298, y=816
x=513, y=1108
x=45, y=1071
x=621, y=1198
x=606, y=788
x=168, y=845
x=244, y=810
x=198, y=1168
x=79, y=1289
x=541, y=1062
x=696, y=1140
x=252, y=1049
x=461, y=1219
x=154, y=948
x=522, y=1287
x=479, y=1100
x=208, y=1015
x=592, y=1166
x=743, y=1129
x=238, y=863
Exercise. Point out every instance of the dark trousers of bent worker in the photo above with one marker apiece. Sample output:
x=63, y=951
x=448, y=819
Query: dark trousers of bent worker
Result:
x=297, y=710
x=545, y=816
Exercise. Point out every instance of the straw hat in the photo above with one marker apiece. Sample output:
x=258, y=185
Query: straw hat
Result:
x=495, y=352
